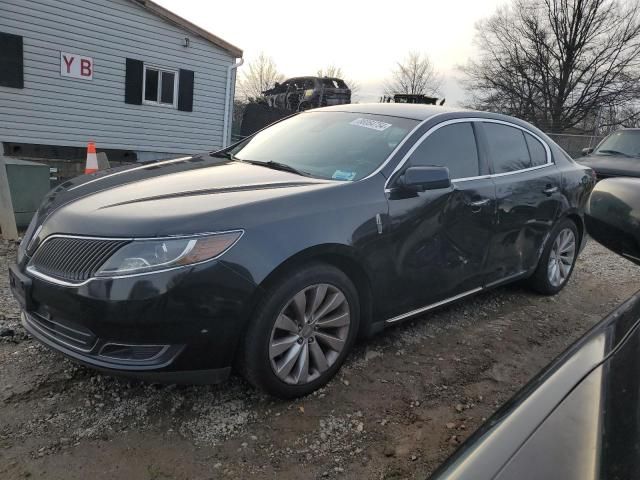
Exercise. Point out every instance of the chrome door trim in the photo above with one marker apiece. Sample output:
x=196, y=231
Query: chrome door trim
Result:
x=433, y=305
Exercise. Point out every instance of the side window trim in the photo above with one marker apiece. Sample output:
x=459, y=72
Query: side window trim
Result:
x=481, y=153
x=426, y=135
x=529, y=147
x=525, y=131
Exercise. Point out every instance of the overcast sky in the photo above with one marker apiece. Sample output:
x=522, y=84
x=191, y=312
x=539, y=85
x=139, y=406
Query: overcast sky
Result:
x=364, y=38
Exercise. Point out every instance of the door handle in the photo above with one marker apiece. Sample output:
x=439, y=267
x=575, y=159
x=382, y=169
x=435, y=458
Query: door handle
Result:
x=479, y=203
x=550, y=190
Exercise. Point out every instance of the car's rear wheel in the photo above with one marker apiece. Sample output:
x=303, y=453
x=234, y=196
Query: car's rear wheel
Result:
x=558, y=259
x=302, y=331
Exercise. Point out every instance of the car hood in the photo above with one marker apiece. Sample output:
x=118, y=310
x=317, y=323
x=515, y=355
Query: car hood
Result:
x=614, y=165
x=173, y=197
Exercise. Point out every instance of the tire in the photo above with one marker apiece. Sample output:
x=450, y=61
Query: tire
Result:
x=279, y=331
x=543, y=280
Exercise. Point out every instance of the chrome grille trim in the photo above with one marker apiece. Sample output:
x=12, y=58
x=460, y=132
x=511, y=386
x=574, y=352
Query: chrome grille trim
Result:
x=73, y=259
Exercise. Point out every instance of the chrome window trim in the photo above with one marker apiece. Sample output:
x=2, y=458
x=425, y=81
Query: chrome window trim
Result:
x=36, y=273
x=400, y=145
x=525, y=130
x=471, y=120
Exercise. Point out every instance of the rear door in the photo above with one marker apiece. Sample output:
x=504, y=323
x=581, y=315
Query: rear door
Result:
x=528, y=197
x=439, y=238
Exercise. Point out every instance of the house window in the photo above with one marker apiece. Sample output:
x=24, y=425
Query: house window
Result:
x=160, y=86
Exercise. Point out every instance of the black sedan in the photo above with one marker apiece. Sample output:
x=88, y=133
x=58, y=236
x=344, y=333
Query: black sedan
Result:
x=618, y=155
x=275, y=254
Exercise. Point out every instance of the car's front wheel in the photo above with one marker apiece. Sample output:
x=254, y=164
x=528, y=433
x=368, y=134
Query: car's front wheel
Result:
x=302, y=331
x=558, y=259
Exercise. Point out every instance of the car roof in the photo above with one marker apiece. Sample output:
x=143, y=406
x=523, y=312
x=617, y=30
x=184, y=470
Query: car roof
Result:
x=406, y=110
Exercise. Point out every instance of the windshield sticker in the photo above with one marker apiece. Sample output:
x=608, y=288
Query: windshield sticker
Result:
x=342, y=175
x=372, y=124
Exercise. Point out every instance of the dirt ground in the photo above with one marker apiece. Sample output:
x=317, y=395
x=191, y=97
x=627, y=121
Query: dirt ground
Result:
x=399, y=407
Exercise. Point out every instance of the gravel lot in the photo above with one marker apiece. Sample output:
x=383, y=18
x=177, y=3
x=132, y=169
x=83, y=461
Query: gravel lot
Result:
x=399, y=407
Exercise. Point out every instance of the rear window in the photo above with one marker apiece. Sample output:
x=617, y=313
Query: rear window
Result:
x=333, y=83
x=508, y=148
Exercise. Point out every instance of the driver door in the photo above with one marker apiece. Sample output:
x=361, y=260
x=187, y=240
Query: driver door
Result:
x=440, y=238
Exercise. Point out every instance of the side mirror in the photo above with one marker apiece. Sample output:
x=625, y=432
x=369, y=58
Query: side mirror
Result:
x=425, y=178
x=612, y=216
x=587, y=151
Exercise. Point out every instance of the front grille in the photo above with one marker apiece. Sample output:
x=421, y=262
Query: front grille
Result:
x=66, y=333
x=73, y=259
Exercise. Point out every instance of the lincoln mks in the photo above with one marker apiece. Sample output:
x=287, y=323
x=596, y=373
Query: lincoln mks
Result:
x=274, y=255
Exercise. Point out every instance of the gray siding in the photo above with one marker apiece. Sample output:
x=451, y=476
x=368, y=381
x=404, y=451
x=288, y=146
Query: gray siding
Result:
x=55, y=110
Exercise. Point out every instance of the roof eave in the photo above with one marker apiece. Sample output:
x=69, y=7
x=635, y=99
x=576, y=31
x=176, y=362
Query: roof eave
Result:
x=187, y=25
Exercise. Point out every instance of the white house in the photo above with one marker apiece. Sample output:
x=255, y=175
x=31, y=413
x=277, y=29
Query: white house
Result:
x=140, y=81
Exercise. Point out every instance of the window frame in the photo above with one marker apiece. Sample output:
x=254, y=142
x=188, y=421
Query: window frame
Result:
x=491, y=159
x=475, y=141
x=481, y=153
x=160, y=70
x=535, y=139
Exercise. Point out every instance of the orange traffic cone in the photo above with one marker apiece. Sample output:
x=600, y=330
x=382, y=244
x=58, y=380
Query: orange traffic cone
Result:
x=92, y=159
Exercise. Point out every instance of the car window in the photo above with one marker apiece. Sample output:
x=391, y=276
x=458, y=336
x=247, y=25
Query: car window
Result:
x=537, y=151
x=507, y=147
x=333, y=145
x=452, y=146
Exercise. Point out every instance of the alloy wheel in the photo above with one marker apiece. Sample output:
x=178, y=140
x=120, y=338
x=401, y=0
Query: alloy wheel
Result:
x=561, y=257
x=309, y=334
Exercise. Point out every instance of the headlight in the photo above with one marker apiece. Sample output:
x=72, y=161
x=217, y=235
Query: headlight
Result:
x=148, y=255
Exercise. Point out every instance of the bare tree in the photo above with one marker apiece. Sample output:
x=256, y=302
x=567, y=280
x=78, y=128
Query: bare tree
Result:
x=556, y=63
x=330, y=71
x=336, y=72
x=614, y=117
x=260, y=75
x=414, y=75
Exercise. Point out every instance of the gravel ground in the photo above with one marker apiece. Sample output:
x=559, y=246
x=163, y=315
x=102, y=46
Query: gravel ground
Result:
x=399, y=407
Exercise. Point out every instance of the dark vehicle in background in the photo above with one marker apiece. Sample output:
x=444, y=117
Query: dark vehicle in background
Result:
x=579, y=418
x=275, y=254
x=303, y=93
x=618, y=155
x=411, y=98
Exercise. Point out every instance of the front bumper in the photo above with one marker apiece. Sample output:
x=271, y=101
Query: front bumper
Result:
x=180, y=326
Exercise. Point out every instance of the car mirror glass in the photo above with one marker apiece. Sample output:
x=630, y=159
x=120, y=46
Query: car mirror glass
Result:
x=425, y=178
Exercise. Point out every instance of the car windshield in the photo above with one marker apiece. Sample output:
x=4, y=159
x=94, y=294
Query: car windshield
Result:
x=624, y=142
x=332, y=145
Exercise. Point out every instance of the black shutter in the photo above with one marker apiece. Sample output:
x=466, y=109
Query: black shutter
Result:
x=11, y=63
x=185, y=91
x=133, y=82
